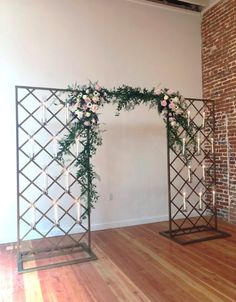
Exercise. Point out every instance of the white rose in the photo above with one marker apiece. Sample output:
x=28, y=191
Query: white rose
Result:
x=173, y=123
x=87, y=91
x=85, y=96
x=176, y=99
x=87, y=114
x=166, y=97
x=96, y=93
x=79, y=113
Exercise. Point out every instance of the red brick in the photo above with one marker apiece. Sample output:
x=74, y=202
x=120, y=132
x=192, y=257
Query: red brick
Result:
x=219, y=84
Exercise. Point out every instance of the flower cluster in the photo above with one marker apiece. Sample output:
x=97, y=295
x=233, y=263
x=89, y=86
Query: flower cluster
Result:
x=86, y=102
x=170, y=101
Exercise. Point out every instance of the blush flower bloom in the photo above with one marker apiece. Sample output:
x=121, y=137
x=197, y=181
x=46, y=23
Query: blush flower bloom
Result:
x=98, y=87
x=163, y=103
x=95, y=99
x=86, y=123
x=87, y=100
x=94, y=108
x=157, y=91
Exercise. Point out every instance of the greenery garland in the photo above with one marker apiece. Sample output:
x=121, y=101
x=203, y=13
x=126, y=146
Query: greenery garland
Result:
x=84, y=103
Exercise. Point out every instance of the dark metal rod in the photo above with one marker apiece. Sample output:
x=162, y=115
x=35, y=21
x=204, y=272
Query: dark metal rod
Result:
x=168, y=172
x=89, y=188
x=214, y=160
x=45, y=88
x=17, y=175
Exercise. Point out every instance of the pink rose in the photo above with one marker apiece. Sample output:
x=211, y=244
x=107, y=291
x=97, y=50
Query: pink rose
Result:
x=98, y=87
x=86, y=123
x=169, y=91
x=87, y=100
x=94, y=108
x=157, y=91
x=163, y=103
x=171, y=105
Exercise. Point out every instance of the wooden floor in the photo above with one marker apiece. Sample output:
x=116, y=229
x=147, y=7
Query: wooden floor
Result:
x=134, y=264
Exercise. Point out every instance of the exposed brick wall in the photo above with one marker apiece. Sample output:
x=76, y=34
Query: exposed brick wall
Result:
x=219, y=84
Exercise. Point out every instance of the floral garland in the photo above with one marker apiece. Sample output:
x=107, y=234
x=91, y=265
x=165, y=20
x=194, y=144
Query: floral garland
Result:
x=84, y=103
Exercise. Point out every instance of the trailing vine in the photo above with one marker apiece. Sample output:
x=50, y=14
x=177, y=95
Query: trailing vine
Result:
x=84, y=103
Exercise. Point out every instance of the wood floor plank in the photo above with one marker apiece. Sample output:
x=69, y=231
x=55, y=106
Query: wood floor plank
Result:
x=120, y=284
x=191, y=276
x=32, y=287
x=135, y=264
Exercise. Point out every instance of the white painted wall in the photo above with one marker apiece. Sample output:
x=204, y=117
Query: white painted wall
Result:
x=58, y=42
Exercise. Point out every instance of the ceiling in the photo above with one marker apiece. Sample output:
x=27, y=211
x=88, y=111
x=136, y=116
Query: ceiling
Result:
x=194, y=5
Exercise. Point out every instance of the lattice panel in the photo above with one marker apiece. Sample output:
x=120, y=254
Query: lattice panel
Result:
x=52, y=203
x=192, y=177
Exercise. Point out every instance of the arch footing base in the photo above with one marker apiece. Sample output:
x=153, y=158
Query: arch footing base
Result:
x=194, y=234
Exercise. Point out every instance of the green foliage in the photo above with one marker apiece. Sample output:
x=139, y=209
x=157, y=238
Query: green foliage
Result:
x=84, y=103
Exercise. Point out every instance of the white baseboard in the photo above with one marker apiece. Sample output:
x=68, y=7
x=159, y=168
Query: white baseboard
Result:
x=127, y=222
x=130, y=222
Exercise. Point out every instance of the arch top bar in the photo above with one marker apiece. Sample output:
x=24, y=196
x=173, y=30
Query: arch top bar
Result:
x=71, y=90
